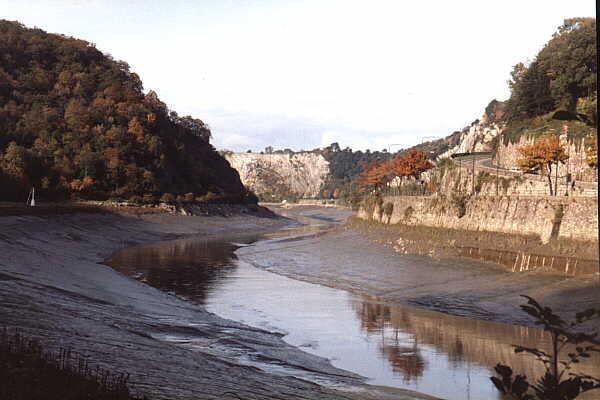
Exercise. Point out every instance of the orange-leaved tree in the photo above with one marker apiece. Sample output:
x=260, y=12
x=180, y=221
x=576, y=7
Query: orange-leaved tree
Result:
x=410, y=164
x=541, y=156
x=375, y=175
x=591, y=151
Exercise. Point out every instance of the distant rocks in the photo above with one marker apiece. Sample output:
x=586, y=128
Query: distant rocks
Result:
x=278, y=176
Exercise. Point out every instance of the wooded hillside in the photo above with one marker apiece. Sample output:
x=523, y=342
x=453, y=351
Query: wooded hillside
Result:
x=75, y=123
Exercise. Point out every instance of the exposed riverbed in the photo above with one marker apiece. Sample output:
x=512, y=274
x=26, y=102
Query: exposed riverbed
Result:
x=362, y=329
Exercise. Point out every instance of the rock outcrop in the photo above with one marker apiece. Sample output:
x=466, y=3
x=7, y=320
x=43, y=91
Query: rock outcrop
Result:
x=478, y=136
x=508, y=155
x=279, y=176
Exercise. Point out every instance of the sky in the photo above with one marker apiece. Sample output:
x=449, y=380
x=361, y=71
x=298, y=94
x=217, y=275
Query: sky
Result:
x=303, y=74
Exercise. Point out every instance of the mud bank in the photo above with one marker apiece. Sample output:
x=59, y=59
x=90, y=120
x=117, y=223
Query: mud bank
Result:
x=53, y=288
x=361, y=258
x=516, y=253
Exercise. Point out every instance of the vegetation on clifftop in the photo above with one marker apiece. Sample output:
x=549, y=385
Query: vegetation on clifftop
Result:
x=557, y=88
x=75, y=123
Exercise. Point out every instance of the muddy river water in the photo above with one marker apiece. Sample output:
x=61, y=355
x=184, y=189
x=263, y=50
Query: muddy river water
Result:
x=389, y=344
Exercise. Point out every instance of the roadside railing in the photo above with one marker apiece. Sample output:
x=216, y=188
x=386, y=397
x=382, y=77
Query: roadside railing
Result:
x=399, y=191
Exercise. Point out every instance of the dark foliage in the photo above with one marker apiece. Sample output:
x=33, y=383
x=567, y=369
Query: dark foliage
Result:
x=562, y=75
x=76, y=123
x=559, y=382
x=345, y=165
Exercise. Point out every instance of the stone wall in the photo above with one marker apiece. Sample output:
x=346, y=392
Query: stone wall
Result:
x=558, y=217
x=458, y=178
x=508, y=155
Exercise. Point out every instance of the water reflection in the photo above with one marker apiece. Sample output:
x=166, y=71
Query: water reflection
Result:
x=442, y=355
x=405, y=358
x=189, y=268
x=403, y=333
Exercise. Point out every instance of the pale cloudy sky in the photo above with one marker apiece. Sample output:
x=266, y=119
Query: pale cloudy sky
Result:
x=306, y=73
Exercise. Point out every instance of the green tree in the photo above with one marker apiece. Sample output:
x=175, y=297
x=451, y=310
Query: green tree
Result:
x=561, y=73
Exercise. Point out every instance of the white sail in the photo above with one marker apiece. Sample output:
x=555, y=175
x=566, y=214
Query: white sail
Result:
x=31, y=198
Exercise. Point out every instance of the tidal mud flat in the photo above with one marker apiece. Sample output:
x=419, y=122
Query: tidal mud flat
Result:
x=53, y=288
x=361, y=258
x=451, y=357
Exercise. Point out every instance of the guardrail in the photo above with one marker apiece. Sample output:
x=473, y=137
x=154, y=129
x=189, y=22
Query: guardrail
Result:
x=588, y=193
x=398, y=191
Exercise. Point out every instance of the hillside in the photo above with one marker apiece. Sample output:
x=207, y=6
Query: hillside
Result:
x=554, y=95
x=75, y=123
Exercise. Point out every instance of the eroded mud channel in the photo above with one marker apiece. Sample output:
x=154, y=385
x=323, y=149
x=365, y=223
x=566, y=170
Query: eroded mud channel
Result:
x=389, y=344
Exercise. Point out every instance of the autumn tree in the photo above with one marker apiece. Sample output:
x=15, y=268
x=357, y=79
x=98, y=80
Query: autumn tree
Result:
x=410, y=164
x=81, y=125
x=375, y=175
x=541, y=156
x=591, y=151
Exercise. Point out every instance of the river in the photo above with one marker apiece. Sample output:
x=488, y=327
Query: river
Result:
x=389, y=344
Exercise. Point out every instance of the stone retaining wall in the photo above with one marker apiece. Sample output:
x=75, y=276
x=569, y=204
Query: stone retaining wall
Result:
x=548, y=217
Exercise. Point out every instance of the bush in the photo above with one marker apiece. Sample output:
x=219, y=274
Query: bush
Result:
x=136, y=199
x=554, y=384
x=167, y=198
x=149, y=198
x=459, y=201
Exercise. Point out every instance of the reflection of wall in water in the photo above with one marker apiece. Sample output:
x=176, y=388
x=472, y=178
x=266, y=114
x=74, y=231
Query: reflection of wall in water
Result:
x=462, y=339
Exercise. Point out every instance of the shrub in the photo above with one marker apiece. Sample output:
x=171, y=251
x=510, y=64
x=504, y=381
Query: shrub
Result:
x=554, y=384
x=483, y=177
x=388, y=209
x=459, y=201
x=136, y=199
x=167, y=198
x=149, y=198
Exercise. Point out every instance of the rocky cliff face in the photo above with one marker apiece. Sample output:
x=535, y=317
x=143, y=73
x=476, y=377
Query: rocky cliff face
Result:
x=508, y=155
x=279, y=176
x=478, y=136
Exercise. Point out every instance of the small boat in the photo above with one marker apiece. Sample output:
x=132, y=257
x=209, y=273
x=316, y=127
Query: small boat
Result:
x=31, y=198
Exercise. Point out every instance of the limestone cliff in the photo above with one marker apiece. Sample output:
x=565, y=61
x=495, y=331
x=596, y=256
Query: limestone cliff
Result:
x=280, y=176
x=478, y=137
x=572, y=136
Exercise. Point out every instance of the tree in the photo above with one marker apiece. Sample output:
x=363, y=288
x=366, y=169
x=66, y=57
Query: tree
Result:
x=558, y=383
x=541, y=156
x=375, y=175
x=563, y=72
x=591, y=151
x=74, y=112
x=334, y=147
x=410, y=164
x=269, y=150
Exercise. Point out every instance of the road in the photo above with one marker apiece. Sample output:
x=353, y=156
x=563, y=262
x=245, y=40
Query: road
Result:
x=485, y=164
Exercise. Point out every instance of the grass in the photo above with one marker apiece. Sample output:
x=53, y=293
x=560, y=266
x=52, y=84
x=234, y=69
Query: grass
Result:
x=28, y=372
x=472, y=157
